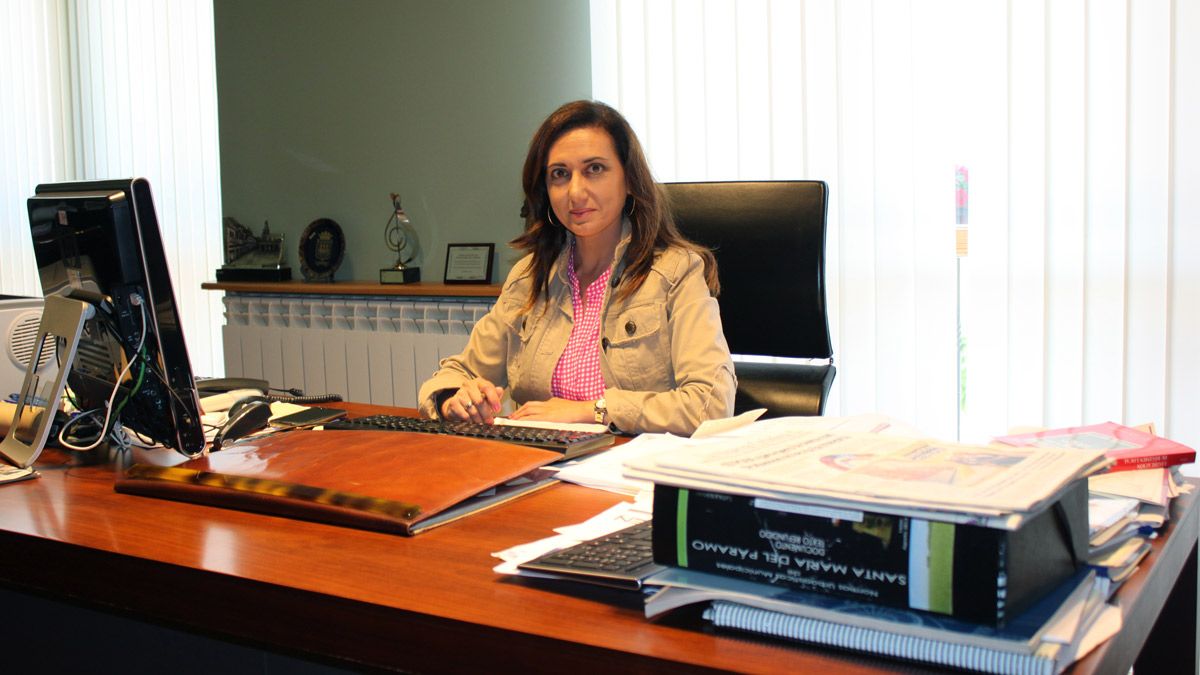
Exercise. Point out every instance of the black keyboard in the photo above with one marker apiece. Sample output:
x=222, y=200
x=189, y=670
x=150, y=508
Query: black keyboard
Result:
x=622, y=559
x=569, y=443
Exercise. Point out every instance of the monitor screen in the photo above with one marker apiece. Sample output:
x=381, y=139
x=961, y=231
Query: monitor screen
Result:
x=99, y=241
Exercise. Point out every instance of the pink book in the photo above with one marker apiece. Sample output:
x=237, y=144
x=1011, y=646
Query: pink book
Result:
x=1131, y=448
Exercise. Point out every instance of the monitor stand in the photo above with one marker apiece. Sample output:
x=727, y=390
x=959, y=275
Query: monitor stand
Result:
x=62, y=318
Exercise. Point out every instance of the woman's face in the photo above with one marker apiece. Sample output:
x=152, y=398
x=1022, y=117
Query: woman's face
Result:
x=586, y=183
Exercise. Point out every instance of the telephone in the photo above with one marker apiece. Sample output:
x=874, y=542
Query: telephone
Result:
x=219, y=393
x=219, y=385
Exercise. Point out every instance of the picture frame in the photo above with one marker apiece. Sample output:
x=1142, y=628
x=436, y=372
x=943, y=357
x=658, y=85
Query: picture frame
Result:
x=469, y=263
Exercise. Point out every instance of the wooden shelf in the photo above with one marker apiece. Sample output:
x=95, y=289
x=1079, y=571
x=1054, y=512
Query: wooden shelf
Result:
x=295, y=287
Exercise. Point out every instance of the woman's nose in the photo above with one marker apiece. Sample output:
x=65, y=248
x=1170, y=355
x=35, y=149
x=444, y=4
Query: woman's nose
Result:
x=576, y=188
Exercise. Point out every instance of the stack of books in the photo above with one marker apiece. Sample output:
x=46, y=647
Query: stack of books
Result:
x=1045, y=638
x=958, y=555
x=1130, y=501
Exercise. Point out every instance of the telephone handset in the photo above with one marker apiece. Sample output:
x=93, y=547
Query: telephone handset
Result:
x=218, y=385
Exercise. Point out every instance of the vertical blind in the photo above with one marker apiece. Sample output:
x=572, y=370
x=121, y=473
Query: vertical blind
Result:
x=1075, y=122
x=99, y=89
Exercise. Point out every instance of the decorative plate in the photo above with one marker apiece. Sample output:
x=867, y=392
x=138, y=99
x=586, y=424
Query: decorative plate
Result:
x=321, y=249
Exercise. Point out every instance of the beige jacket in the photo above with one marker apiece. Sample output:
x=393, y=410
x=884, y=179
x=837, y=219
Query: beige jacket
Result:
x=664, y=355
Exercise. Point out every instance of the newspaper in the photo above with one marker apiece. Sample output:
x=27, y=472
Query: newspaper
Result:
x=984, y=485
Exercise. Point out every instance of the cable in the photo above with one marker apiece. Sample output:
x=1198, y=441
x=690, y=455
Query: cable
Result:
x=135, y=299
x=136, y=385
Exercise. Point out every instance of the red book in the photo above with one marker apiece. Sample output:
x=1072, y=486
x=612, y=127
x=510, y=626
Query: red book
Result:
x=1131, y=448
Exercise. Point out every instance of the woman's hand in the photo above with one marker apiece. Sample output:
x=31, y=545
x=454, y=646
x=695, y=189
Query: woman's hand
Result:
x=476, y=401
x=556, y=410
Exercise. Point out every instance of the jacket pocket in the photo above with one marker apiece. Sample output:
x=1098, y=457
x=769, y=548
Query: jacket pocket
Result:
x=639, y=348
x=523, y=328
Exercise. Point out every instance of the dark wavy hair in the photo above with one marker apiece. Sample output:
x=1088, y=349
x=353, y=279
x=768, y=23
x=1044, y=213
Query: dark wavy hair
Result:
x=653, y=228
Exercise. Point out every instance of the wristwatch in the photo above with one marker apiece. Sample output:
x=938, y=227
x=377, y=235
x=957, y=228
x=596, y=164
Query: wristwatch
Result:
x=601, y=411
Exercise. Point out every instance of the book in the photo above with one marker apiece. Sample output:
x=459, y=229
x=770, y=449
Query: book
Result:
x=970, y=572
x=1047, y=620
x=1129, y=448
x=392, y=481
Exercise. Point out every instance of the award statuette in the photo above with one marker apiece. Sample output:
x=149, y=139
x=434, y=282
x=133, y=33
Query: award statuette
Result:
x=395, y=235
x=322, y=246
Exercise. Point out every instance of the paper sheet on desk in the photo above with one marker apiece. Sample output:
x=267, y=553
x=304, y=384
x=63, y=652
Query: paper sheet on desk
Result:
x=714, y=427
x=603, y=471
x=560, y=426
x=1146, y=485
x=849, y=424
x=616, y=517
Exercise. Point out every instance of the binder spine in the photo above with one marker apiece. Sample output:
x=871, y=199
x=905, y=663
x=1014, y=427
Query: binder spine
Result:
x=955, y=570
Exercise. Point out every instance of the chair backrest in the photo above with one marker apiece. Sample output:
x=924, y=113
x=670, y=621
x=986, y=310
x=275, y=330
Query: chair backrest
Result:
x=769, y=240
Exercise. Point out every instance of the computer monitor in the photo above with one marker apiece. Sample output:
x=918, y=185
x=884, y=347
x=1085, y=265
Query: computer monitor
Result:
x=99, y=241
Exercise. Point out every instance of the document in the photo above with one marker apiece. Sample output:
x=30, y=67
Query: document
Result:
x=604, y=471
x=725, y=424
x=585, y=427
x=617, y=517
x=1152, y=486
x=12, y=474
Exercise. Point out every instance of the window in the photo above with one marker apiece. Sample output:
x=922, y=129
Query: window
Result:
x=1073, y=120
x=99, y=89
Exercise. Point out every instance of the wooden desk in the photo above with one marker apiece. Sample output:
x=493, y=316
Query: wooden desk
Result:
x=432, y=602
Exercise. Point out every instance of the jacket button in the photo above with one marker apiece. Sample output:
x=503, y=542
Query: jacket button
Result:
x=604, y=344
x=630, y=328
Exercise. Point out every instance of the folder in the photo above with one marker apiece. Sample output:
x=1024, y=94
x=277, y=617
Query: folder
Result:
x=389, y=481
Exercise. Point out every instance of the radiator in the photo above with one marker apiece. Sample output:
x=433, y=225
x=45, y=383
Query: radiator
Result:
x=367, y=349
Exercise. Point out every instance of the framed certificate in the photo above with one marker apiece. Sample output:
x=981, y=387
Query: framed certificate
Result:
x=469, y=263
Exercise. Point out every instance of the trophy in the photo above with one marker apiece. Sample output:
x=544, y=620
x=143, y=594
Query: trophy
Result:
x=396, y=236
x=250, y=257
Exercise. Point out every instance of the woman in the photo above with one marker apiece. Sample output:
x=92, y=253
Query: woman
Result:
x=611, y=315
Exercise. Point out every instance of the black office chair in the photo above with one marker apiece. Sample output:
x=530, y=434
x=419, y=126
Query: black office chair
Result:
x=769, y=240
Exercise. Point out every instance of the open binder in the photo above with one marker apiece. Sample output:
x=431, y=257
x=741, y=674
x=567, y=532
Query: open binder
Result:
x=380, y=480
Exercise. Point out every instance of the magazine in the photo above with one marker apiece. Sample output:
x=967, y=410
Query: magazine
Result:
x=1129, y=448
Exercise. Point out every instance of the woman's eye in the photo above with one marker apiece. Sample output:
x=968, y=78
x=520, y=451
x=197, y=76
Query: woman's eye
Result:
x=558, y=174
x=595, y=168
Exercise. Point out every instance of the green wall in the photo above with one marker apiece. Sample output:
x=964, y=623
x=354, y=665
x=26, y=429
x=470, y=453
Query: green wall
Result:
x=326, y=106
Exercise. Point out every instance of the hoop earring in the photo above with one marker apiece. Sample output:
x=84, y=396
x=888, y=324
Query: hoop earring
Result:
x=632, y=206
x=550, y=217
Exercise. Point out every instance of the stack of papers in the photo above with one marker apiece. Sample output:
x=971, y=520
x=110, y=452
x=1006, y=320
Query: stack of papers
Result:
x=617, y=517
x=949, y=482
x=605, y=471
x=1151, y=486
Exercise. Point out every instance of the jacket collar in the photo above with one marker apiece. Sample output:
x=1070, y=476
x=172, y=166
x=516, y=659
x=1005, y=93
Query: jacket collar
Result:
x=559, y=271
